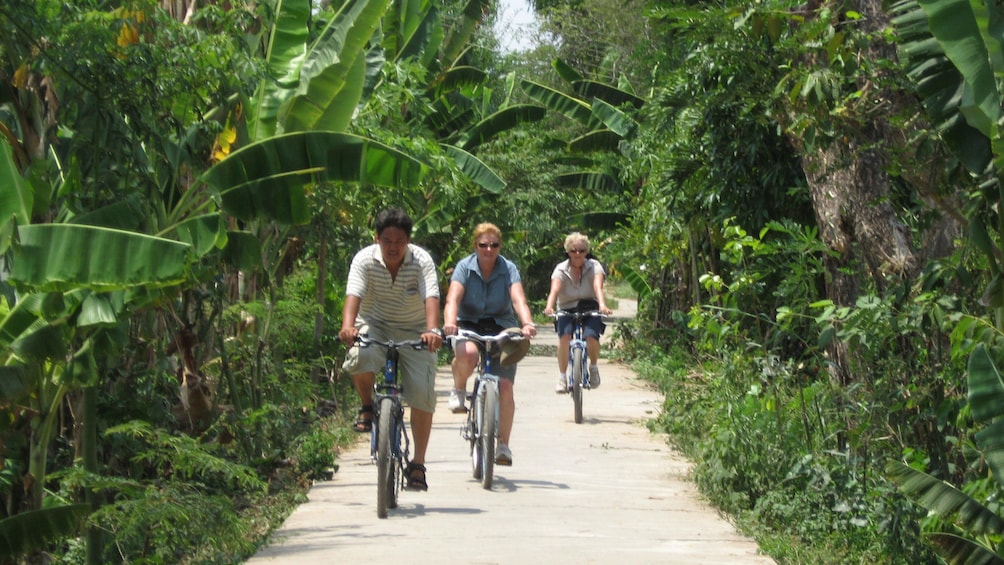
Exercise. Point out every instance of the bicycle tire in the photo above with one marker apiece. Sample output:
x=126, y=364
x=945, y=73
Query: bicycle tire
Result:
x=395, y=480
x=489, y=432
x=477, y=463
x=385, y=466
x=578, y=365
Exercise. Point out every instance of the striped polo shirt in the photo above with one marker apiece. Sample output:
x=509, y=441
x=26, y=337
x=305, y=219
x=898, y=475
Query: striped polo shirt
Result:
x=391, y=302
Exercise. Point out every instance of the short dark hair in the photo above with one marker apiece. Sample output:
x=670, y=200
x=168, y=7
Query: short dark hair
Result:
x=393, y=218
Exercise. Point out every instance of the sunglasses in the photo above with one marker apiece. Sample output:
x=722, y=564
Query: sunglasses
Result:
x=576, y=251
x=493, y=245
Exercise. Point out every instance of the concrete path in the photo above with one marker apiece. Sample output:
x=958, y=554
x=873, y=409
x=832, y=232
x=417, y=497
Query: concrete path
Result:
x=604, y=491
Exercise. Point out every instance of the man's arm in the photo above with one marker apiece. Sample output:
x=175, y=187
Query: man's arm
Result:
x=432, y=336
x=349, y=312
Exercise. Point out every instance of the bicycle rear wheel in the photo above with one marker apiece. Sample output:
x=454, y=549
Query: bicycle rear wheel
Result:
x=578, y=364
x=386, y=468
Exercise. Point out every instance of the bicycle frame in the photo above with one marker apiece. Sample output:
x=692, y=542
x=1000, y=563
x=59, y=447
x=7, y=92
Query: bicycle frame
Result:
x=578, y=354
x=389, y=451
x=578, y=343
x=390, y=388
x=481, y=426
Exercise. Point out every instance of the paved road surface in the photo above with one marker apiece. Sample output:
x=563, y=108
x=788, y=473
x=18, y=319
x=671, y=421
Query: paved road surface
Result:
x=604, y=491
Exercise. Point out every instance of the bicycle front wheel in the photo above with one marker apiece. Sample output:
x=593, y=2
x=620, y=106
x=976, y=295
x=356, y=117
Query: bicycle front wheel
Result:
x=474, y=435
x=578, y=364
x=489, y=432
x=386, y=469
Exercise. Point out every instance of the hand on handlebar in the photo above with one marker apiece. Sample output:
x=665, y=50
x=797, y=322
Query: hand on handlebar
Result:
x=348, y=335
x=433, y=340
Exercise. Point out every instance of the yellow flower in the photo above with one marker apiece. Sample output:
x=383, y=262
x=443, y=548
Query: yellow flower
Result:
x=21, y=76
x=224, y=141
x=128, y=35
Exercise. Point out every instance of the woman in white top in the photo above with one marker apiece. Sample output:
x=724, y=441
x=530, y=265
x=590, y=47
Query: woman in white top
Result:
x=577, y=285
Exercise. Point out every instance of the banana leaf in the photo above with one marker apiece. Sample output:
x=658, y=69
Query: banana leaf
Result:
x=943, y=498
x=986, y=400
x=589, y=180
x=566, y=71
x=266, y=179
x=287, y=50
x=597, y=140
x=60, y=257
x=503, y=120
x=322, y=103
x=636, y=278
x=615, y=120
x=15, y=194
x=587, y=89
x=25, y=531
x=958, y=550
x=475, y=169
x=566, y=105
x=945, y=90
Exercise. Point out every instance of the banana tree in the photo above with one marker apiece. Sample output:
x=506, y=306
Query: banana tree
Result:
x=606, y=115
x=953, y=53
x=72, y=282
x=981, y=524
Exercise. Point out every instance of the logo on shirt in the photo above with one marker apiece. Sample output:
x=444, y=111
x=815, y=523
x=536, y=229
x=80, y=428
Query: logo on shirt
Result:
x=411, y=291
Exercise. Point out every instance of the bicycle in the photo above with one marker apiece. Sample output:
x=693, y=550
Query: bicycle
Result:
x=389, y=441
x=578, y=376
x=481, y=427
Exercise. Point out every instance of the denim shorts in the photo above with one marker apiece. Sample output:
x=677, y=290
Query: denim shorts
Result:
x=592, y=327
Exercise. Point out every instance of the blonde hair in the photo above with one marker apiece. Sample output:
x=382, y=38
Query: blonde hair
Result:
x=576, y=237
x=487, y=228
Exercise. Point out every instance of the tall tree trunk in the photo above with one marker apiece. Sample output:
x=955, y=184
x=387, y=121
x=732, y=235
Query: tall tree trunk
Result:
x=850, y=187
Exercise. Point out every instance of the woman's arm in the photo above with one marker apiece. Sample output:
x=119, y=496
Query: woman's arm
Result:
x=598, y=280
x=552, y=297
x=522, y=309
x=453, y=297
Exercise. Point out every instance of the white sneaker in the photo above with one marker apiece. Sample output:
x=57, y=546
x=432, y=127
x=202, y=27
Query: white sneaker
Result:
x=457, y=401
x=594, y=376
x=561, y=387
x=502, y=455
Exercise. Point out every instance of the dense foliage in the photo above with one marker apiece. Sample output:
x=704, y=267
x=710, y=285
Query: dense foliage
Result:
x=805, y=200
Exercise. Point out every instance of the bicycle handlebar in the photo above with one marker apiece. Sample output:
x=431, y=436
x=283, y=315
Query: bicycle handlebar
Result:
x=570, y=314
x=463, y=334
x=365, y=341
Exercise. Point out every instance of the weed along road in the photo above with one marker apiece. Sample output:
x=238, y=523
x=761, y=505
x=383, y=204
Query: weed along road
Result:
x=604, y=491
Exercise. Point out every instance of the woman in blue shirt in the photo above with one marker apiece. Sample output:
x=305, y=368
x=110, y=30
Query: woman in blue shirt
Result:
x=486, y=296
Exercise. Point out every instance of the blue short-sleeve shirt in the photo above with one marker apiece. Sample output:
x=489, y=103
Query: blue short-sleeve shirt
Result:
x=486, y=298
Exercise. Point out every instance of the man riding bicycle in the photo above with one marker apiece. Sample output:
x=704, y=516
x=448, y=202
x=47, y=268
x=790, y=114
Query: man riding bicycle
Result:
x=393, y=294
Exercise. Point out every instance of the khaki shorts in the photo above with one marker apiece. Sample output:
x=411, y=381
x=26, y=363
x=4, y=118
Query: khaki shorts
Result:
x=416, y=369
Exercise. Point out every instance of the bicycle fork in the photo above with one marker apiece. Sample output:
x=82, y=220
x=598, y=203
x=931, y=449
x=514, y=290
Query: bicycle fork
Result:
x=578, y=344
x=475, y=426
x=397, y=434
x=472, y=430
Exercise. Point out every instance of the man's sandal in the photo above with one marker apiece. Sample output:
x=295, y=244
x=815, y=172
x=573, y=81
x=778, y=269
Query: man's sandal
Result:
x=416, y=476
x=364, y=425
